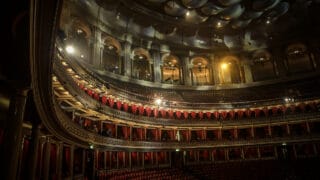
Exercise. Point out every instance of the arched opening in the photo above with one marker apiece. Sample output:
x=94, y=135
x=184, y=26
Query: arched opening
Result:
x=170, y=69
x=141, y=66
x=111, y=58
x=262, y=67
x=229, y=70
x=78, y=37
x=200, y=71
x=298, y=58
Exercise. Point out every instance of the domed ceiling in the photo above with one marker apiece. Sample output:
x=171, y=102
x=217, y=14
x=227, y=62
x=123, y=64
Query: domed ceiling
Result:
x=234, y=24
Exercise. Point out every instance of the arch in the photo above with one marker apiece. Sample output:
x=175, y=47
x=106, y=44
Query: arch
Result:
x=261, y=55
x=111, y=59
x=200, y=71
x=229, y=70
x=79, y=36
x=141, y=64
x=140, y=52
x=170, y=70
x=263, y=66
x=298, y=58
x=112, y=44
x=81, y=28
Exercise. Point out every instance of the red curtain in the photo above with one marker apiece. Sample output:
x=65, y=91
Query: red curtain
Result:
x=171, y=113
x=134, y=108
x=201, y=115
x=193, y=115
x=274, y=110
x=163, y=113
x=81, y=86
x=96, y=96
x=118, y=105
x=208, y=114
x=224, y=114
x=240, y=114
x=148, y=111
x=178, y=114
x=265, y=111
x=141, y=110
x=104, y=100
x=155, y=112
x=125, y=107
x=283, y=108
x=216, y=115
x=257, y=112
x=231, y=114
x=111, y=102
x=185, y=114
x=248, y=113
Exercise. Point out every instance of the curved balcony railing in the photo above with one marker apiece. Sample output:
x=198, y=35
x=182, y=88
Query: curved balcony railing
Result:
x=93, y=138
x=134, y=93
x=152, y=121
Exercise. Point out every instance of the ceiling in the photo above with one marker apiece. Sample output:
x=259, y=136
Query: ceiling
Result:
x=236, y=24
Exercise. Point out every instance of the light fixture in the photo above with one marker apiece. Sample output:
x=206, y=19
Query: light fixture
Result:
x=70, y=49
x=187, y=13
x=82, y=56
x=140, y=57
x=224, y=66
x=268, y=22
x=158, y=101
x=177, y=150
x=219, y=24
x=91, y=146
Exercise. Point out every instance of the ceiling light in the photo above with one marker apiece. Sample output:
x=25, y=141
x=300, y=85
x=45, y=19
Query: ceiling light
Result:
x=82, y=56
x=187, y=13
x=268, y=22
x=70, y=49
x=140, y=57
x=219, y=24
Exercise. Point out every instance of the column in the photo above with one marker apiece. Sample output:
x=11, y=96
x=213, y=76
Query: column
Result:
x=247, y=73
x=13, y=134
x=46, y=160
x=59, y=160
x=142, y=159
x=33, y=150
x=242, y=153
x=215, y=72
x=127, y=59
x=71, y=160
x=155, y=53
x=130, y=133
x=186, y=71
x=258, y=152
x=96, y=48
x=130, y=162
x=275, y=152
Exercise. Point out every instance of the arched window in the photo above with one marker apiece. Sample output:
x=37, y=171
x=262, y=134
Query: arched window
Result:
x=229, y=70
x=298, y=58
x=170, y=69
x=200, y=71
x=111, y=55
x=141, y=66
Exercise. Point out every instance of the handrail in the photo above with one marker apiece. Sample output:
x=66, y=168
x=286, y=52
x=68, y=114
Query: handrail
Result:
x=137, y=119
x=107, y=142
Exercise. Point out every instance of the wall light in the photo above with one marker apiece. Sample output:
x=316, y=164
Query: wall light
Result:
x=70, y=49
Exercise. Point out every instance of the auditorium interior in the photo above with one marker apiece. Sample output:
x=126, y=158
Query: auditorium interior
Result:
x=161, y=89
